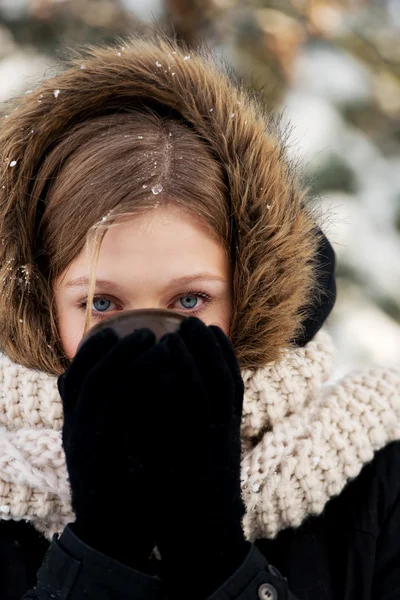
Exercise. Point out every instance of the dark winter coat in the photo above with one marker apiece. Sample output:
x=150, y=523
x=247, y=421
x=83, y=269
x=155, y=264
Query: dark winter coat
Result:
x=350, y=552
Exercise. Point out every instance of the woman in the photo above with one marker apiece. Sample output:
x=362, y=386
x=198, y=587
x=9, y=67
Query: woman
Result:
x=142, y=177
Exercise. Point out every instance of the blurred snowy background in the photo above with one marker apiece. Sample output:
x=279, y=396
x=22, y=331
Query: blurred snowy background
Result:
x=331, y=66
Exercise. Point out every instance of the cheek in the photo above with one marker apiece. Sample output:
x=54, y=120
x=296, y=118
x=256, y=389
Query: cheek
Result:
x=220, y=315
x=70, y=329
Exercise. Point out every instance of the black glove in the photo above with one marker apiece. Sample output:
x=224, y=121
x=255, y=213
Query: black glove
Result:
x=197, y=472
x=104, y=394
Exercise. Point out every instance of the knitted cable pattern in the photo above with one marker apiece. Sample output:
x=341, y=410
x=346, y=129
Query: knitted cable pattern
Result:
x=309, y=457
x=303, y=439
x=33, y=479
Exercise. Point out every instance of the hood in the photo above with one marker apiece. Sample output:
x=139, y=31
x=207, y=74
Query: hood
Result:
x=275, y=237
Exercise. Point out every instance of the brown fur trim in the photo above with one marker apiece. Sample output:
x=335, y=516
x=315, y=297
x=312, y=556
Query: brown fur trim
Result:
x=274, y=241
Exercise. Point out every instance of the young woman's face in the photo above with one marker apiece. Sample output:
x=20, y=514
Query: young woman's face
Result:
x=161, y=259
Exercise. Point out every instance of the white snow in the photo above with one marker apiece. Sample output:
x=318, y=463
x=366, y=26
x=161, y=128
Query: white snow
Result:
x=145, y=10
x=334, y=75
x=157, y=189
x=22, y=67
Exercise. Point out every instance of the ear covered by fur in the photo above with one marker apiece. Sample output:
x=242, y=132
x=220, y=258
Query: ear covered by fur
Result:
x=274, y=240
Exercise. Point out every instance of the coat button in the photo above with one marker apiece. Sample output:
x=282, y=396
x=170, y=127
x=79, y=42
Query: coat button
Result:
x=266, y=591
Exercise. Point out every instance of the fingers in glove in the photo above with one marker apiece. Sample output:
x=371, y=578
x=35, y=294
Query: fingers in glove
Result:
x=185, y=384
x=233, y=364
x=150, y=376
x=211, y=362
x=112, y=369
x=92, y=351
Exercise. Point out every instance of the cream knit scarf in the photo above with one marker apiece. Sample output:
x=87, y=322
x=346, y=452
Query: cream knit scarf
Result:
x=303, y=439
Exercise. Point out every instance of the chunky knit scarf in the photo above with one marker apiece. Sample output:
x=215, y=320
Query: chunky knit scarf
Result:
x=303, y=439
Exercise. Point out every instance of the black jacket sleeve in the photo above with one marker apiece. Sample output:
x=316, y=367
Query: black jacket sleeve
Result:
x=22, y=550
x=386, y=580
x=71, y=570
x=256, y=579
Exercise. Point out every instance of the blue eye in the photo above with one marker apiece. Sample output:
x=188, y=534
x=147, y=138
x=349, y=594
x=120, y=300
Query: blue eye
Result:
x=101, y=304
x=189, y=301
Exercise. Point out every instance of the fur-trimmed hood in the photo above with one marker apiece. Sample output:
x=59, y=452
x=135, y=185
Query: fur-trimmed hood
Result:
x=274, y=233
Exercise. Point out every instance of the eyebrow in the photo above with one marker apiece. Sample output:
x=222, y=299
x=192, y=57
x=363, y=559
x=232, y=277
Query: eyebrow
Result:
x=185, y=280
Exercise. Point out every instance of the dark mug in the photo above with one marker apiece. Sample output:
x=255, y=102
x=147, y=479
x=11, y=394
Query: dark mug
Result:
x=159, y=320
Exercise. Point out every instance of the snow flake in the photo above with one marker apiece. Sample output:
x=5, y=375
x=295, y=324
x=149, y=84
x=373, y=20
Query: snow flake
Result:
x=144, y=186
x=25, y=271
x=158, y=64
x=56, y=93
x=157, y=189
x=13, y=163
x=232, y=115
x=139, y=137
x=186, y=57
x=118, y=53
x=268, y=206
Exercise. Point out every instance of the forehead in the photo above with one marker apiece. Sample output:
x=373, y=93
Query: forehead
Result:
x=162, y=243
x=159, y=228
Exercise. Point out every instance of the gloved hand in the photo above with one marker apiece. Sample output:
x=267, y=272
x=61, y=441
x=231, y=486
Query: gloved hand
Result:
x=197, y=469
x=104, y=395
